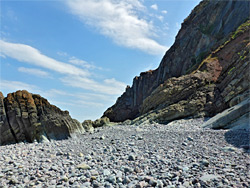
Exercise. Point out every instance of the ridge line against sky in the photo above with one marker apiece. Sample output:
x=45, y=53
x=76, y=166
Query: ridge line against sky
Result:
x=78, y=57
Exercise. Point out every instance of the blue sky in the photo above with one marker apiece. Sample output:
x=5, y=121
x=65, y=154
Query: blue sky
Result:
x=81, y=54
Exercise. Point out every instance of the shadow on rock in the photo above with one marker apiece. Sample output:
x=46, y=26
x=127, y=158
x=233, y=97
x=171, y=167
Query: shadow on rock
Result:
x=239, y=138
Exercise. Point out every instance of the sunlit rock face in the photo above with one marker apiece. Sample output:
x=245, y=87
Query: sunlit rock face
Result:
x=204, y=31
x=29, y=117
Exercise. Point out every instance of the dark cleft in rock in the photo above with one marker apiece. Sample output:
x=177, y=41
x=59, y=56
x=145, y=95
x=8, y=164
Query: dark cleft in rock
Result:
x=29, y=117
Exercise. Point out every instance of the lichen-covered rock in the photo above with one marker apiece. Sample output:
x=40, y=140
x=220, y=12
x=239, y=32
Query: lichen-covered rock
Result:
x=208, y=26
x=28, y=117
x=90, y=125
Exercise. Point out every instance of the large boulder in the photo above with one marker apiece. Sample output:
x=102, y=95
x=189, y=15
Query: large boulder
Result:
x=29, y=117
x=236, y=116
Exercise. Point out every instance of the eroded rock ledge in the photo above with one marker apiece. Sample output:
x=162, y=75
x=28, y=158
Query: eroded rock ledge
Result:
x=29, y=117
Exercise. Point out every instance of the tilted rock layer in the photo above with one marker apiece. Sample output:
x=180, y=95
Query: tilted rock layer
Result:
x=185, y=84
x=28, y=117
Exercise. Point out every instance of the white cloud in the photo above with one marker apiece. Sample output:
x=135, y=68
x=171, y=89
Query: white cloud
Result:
x=73, y=76
x=154, y=6
x=62, y=53
x=12, y=86
x=2, y=56
x=164, y=12
x=28, y=54
x=82, y=63
x=82, y=96
x=119, y=20
x=161, y=18
x=109, y=86
x=36, y=72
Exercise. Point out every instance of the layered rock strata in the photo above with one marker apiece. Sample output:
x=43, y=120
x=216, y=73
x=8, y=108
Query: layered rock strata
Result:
x=220, y=82
x=29, y=117
x=209, y=26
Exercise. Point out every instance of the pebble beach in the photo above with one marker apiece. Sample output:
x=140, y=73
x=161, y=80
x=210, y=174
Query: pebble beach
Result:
x=179, y=154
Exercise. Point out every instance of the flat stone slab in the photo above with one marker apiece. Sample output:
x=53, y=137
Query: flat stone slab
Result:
x=229, y=116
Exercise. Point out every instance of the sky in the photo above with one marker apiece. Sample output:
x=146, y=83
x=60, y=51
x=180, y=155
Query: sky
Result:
x=81, y=54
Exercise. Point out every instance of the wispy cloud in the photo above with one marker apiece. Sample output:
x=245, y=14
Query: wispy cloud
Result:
x=154, y=6
x=83, y=63
x=72, y=75
x=28, y=54
x=108, y=86
x=120, y=21
x=36, y=72
x=164, y=12
x=62, y=54
x=161, y=18
x=11, y=86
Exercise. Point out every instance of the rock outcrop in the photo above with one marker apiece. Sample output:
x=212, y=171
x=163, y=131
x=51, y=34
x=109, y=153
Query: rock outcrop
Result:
x=89, y=125
x=236, y=116
x=221, y=81
x=203, y=73
x=29, y=117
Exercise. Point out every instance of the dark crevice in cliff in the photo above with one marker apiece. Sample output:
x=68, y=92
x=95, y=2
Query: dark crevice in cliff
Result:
x=8, y=122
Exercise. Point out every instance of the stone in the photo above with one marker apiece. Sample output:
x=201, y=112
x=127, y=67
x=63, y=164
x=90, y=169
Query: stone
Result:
x=83, y=166
x=131, y=157
x=229, y=149
x=209, y=177
x=64, y=178
x=106, y=172
x=205, y=162
x=111, y=179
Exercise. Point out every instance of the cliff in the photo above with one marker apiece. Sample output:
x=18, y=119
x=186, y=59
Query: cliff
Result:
x=220, y=82
x=208, y=27
x=29, y=117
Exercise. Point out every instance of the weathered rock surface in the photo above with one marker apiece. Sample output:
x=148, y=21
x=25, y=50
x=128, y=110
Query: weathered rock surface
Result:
x=238, y=115
x=221, y=81
x=208, y=26
x=89, y=125
x=29, y=117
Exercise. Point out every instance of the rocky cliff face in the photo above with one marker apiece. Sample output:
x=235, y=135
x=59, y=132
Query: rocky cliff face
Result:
x=28, y=117
x=208, y=26
x=221, y=81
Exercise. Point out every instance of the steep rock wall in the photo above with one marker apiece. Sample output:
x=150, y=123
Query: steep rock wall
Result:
x=206, y=28
x=221, y=81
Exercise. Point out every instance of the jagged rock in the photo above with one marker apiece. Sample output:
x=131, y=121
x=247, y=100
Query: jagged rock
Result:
x=90, y=125
x=208, y=26
x=29, y=117
x=6, y=132
x=227, y=118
